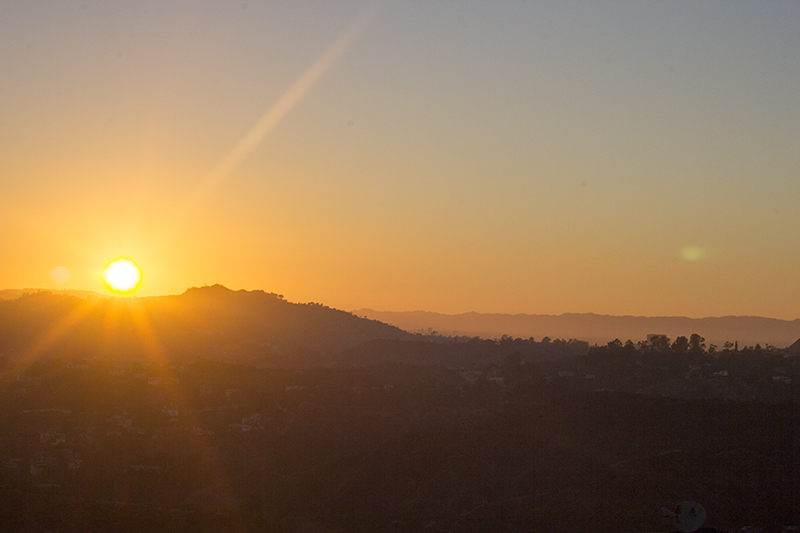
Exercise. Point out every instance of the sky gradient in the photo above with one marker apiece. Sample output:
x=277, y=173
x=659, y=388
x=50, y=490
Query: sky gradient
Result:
x=636, y=158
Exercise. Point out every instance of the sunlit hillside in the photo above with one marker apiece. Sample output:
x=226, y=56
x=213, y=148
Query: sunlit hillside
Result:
x=208, y=322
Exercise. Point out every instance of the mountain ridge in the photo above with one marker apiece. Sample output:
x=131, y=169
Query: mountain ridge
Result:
x=13, y=294
x=593, y=327
x=590, y=327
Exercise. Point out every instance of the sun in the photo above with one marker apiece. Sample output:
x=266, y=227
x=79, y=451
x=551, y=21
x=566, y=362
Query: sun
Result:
x=122, y=276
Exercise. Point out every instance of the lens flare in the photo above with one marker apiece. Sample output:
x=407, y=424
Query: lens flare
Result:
x=693, y=253
x=60, y=275
x=122, y=276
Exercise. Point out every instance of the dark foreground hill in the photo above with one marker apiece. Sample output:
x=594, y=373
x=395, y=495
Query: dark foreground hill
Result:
x=208, y=322
x=385, y=448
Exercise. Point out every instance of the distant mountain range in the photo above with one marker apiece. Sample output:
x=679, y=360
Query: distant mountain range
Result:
x=13, y=294
x=746, y=330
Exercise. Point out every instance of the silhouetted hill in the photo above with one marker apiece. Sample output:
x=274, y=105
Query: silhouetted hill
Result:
x=794, y=348
x=209, y=322
x=747, y=330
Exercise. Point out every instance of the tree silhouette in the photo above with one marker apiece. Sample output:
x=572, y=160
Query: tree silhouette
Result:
x=697, y=344
x=660, y=343
x=629, y=346
x=727, y=347
x=616, y=344
x=681, y=345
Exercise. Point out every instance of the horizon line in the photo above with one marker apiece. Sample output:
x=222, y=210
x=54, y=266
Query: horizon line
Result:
x=91, y=292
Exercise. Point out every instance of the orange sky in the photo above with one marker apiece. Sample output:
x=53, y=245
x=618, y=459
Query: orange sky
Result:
x=614, y=158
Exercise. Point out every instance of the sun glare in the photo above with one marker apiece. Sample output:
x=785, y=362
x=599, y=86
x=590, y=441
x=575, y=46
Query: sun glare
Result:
x=122, y=276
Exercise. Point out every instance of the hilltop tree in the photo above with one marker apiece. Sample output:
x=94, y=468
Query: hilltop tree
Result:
x=681, y=345
x=615, y=345
x=629, y=346
x=660, y=343
x=697, y=344
x=727, y=347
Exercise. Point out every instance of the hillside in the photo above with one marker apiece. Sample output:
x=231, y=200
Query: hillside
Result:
x=383, y=448
x=210, y=322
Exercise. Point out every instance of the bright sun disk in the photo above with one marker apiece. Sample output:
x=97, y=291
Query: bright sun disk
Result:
x=122, y=275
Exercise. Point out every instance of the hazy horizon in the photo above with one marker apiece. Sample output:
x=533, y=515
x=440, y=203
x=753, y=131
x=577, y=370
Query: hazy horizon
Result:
x=86, y=292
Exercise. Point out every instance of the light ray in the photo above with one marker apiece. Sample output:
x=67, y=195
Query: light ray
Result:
x=113, y=313
x=288, y=100
x=146, y=332
x=63, y=326
x=176, y=394
x=55, y=333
